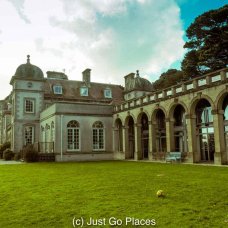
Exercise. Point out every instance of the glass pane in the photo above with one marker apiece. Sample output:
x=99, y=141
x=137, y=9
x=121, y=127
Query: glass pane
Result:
x=210, y=130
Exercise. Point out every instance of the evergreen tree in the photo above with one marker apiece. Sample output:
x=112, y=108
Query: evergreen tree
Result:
x=207, y=44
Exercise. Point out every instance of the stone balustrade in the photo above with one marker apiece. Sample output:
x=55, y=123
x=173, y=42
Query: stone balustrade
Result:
x=189, y=86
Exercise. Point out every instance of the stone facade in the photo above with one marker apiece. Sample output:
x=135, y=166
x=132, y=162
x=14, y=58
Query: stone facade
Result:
x=191, y=118
x=83, y=120
x=71, y=118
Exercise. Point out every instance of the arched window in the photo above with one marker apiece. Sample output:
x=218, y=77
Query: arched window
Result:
x=73, y=135
x=98, y=136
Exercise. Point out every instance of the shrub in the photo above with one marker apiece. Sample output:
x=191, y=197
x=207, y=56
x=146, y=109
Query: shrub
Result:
x=30, y=154
x=17, y=156
x=8, y=154
x=3, y=147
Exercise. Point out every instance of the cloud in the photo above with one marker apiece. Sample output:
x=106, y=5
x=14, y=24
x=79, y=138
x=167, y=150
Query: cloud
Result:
x=19, y=6
x=122, y=36
x=40, y=46
x=112, y=37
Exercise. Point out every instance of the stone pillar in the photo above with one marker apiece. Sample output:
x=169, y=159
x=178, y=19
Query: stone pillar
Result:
x=220, y=154
x=150, y=141
x=138, y=152
x=191, y=134
x=170, y=135
x=208, y=80
x=223, y=75
x=125, y=142
x=114, y=134
x=116, y=143
x=195, y=84
x=153, y=140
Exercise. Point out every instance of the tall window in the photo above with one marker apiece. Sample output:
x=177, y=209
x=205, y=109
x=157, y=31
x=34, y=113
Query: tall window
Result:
x=98, y=136
x=73, y=135
x=29, y=105
x=28, y=135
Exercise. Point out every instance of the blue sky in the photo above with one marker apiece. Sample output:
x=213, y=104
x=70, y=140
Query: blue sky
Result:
x=112, y=37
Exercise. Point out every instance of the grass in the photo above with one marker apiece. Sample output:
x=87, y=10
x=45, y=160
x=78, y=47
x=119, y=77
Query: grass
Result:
x=52, y=194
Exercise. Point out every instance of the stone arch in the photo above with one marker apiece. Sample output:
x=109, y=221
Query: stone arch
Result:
x=129, y=137
x=140, y=114
x=173, y=106
x=118, y=118
x=220, y=99
x=139, y=117
x=155, y=110
x=222, y=124
x=143, y=135
x=204, y=129
x=178, y=128
x=196, y=100
x=159, y=147
x=128, y=117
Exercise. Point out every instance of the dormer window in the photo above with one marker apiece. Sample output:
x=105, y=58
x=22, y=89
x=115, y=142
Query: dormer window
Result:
x=107, y=93
x=84, y=91
x=57, y=89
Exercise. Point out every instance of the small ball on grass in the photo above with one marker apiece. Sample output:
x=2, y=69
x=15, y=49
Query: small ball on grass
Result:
x=160, y=193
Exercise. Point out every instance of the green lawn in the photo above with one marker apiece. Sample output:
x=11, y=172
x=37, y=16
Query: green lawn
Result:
x=52, y=194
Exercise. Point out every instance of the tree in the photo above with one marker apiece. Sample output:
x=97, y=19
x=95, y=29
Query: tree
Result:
x=169, y=78
x=190, y=66
x=207, y=43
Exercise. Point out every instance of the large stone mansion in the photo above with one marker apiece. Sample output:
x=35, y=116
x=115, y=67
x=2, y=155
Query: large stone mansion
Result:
x=83, y=120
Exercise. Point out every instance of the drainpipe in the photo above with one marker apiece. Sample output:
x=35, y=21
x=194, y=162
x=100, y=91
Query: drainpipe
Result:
x=61, y=136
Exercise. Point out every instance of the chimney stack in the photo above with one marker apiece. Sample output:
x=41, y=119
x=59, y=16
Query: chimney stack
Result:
x=86, y=76
x=128, y=78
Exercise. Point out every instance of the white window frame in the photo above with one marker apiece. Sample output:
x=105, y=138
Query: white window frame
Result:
x=108, y=93
x=26, y=139
x=58, y=89
x=84, y=91
x=26, y=105
x=96, y=131
x=74, y=131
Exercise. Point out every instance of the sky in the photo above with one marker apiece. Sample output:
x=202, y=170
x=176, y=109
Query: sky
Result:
x=111, y=37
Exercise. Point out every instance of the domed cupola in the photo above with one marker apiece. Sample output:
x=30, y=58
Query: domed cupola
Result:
x=29, y=71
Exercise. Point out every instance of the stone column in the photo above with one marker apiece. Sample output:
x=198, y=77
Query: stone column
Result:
x=125, y=142
x=223, y=75
x=170, y=135
x=115, y=143
x=138, y=152
x=220, y=154
x=153, y=140
x=150, y=148
x=191, y=134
